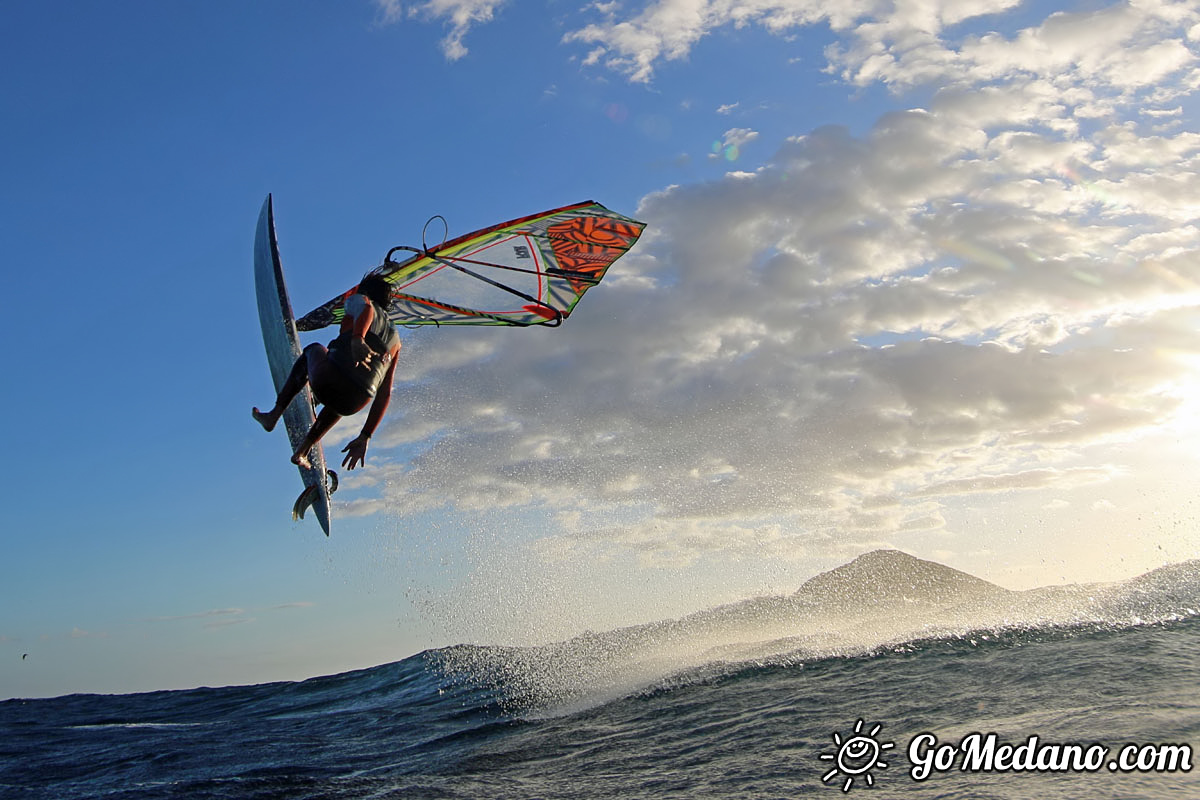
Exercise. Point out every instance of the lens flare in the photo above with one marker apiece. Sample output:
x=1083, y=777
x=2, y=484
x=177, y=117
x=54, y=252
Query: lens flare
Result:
x=728, y=152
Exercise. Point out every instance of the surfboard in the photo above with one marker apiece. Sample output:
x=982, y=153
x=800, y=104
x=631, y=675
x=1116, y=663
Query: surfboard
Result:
x=283, y=349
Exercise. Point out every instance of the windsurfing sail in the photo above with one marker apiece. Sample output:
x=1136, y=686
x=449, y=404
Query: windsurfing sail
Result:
x=528, y=271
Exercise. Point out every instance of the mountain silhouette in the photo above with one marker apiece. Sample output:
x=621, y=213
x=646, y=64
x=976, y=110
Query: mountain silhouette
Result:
x=890, y=577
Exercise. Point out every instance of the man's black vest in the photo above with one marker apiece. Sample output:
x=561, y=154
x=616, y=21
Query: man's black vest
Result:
x=381, y=337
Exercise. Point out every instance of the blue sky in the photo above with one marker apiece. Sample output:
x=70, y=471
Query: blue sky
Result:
x=918, y=275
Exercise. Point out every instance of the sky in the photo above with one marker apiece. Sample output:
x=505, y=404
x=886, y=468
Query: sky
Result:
x=918, y=274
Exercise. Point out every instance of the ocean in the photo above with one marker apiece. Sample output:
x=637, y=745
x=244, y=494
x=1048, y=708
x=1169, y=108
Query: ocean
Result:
x=889, y=677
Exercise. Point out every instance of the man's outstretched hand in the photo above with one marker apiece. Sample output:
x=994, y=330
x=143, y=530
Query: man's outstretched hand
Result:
x=357, y=452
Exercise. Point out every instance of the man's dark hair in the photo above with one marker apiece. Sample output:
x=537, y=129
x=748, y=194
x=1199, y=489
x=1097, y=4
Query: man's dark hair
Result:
x=377, y=289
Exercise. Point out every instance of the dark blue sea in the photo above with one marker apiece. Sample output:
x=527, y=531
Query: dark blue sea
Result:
x=705, y=707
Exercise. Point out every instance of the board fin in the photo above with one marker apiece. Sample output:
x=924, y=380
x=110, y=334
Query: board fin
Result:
x=312, y=494
x=305, y=501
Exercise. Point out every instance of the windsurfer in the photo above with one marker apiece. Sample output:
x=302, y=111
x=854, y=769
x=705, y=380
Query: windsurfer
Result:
x=357, y=366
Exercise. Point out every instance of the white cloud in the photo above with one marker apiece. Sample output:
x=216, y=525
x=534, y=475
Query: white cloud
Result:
x=1127, y=46
x=767, y=365
x=459, y=15
x=739, y=136
x=668, y=29
x=730, y=144
x=1092, y=58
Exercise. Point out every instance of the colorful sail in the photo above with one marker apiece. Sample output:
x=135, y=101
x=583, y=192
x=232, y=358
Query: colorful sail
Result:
x=529, y=271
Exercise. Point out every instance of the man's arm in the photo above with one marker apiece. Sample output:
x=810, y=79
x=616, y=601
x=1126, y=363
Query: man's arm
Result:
x=357, y=449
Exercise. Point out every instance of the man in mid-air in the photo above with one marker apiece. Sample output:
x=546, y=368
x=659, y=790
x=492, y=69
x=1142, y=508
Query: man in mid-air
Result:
x=358, y=365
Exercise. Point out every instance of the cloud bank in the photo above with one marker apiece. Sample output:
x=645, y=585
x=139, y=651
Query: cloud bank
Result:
x=843, y=341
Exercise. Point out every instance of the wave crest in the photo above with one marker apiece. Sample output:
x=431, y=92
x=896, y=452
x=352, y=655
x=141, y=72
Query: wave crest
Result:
x=885, y=601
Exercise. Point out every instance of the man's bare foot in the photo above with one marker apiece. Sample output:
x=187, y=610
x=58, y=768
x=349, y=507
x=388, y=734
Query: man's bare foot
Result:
x=265, y=418
x=301, y=460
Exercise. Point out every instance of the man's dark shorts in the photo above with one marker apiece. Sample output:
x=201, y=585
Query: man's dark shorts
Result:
x=336, y=390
